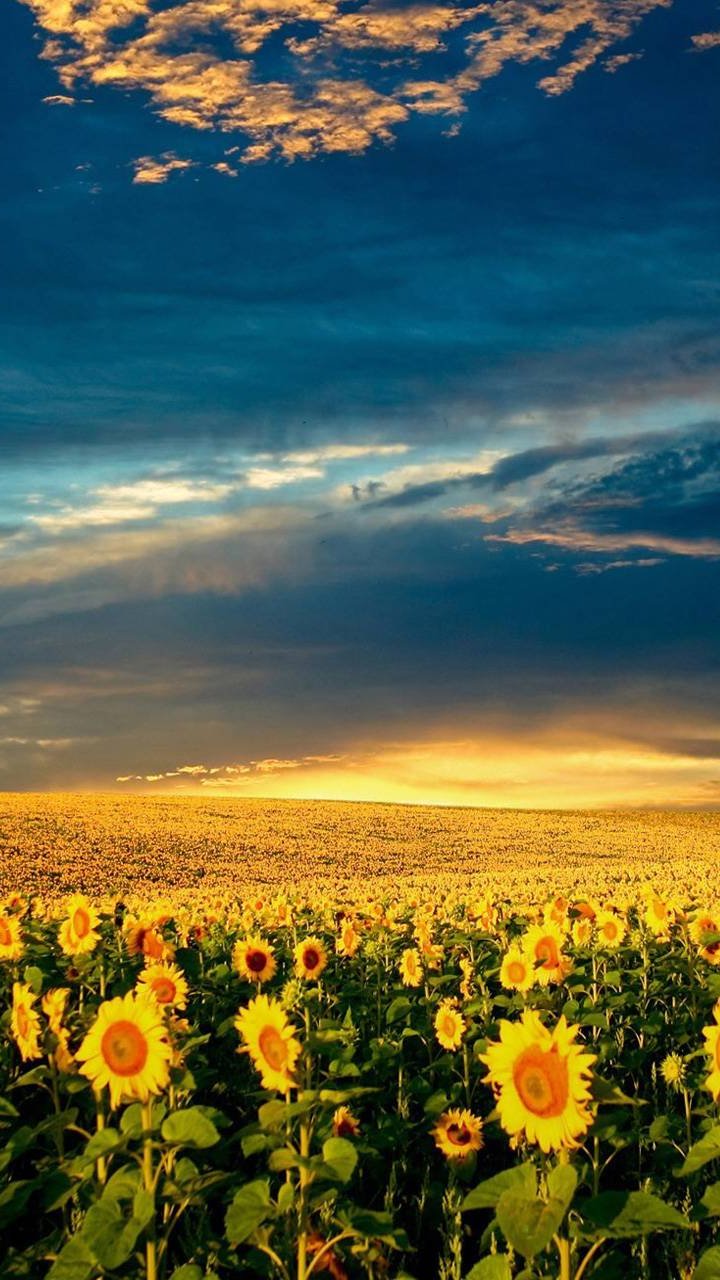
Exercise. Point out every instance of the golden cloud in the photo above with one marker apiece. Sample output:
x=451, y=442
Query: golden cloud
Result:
x=200, y=62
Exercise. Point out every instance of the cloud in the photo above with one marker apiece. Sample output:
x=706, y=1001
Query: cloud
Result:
x=707, y=40
x=152, y=170
x=203, y=62
x=122, y=503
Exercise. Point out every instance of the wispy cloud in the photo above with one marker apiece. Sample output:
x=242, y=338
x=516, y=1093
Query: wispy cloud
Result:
x=151, y=170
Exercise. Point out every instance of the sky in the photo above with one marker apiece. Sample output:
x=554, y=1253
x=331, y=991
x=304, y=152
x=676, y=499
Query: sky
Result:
x=360, y=431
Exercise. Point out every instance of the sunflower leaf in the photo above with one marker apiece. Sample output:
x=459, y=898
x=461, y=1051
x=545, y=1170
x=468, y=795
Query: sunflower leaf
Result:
x=189, y=1128
x=708, y=1148
x=251, y=1207
x=620, y=1214
x=528, y=1224
x=522, y=1179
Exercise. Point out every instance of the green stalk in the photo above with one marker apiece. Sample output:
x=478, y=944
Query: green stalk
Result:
x=149, y=1184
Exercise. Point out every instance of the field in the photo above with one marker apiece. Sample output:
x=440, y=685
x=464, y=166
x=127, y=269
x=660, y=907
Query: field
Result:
x=287, y=1040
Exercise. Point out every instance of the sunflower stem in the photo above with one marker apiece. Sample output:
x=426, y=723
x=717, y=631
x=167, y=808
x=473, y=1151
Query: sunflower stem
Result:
x=305, y=1177
x=149, y=1184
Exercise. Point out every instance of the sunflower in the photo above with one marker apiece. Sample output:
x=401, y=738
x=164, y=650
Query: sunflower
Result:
x=344, y=1123
x=582, y=931
x=516, y=972
x=543, y=947
x=166, y=983
x=127, y=1049
x=11, y=943
x=78, y=932
x=310, y=958
x=611, y=929
x=411, y=970
x=672, y=1070
x=53, y=1006
x=659, y=915
x=143, y=939
x=458, y=1133
x=712, y=1047
x=254, y=959
x=703, y=923
x=270, y=1041
x=449, y=1026
x=25, y=1021
x=541, y=1080
x=349, y=939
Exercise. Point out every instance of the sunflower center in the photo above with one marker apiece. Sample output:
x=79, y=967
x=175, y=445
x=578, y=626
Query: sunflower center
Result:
x=541, y=1079
x=81, y=923
x=273, y=1047
x=164, y=990
x=23, y=1022
x=516, y=971
x=5, y=934
x=458, y=1134
x=124, y=1048
x=546, y=951
x=447, y=1025
x=610, y=929
x=255, y=961
x=311, y=958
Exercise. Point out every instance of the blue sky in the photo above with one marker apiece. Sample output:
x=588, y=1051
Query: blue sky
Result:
x=360, y=399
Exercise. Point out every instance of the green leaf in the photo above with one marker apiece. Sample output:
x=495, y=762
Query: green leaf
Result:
x=604, y=1091
x=286, y=1197
x=190, y=1128
x=251, y=1207
x=102, y=1142
x=562, y=1183
x=632, y=1213
x=496, y=1267
x=13, y=1199
x=522, y=1179
x=341, y=1157
x=528, y=1224
x=708, y=1148
x=272, y=1115
x=122, y=1185
x=109, y=1236
x=397, y=1009
x=74, y=1262
x=711, y=1201
x=282, y=1159
x=188, y=1271
x=33, y=976
x=376, y=1226
x=708, y=1268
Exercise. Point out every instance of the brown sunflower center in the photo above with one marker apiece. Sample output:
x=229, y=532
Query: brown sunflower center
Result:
x=311, y=958
x=458, y=1134
x=273, y=1048
x=547, y=952
x=610, y=930
x=448, y=1025
x=80, y=923
x=516, y=971
x=5, y=933
x=164, y=990
x=255, y=960
x=541, y=1079
x=124, y=1048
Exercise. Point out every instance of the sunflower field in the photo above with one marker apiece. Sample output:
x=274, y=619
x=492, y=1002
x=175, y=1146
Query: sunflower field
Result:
x=420, y=1086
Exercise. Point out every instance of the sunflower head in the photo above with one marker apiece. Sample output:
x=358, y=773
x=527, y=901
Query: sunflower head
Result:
x=449, y=1026
x=78, y=932
x=672, y=1070
x=345, y=1124
x=270, y=1040
x=127, y=1049
x=516, y=971
x=411, y=969
x=166, y=984
x=254, y=959
x=542, y=1082
x=25, y=1021
x=11, y=943
x=310, y=958
x=458, y=1133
